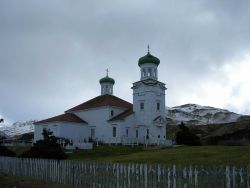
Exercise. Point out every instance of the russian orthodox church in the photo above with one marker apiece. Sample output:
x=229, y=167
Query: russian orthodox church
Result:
x=110, y=119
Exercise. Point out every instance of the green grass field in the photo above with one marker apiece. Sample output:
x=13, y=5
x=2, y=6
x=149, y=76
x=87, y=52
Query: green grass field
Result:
x=185, y=155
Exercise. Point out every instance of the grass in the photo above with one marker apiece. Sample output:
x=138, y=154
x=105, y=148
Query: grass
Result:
x=22, y=182
x=186, y=155
x=103, y=152
x=20, y=150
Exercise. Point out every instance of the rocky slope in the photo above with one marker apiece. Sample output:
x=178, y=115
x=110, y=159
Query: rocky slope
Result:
x=193, y=114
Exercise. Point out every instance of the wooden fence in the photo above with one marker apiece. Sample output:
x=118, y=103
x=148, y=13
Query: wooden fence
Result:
x=109, y=175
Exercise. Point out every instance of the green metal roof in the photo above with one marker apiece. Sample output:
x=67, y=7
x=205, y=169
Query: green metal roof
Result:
x=107, y=79
x=148, y=59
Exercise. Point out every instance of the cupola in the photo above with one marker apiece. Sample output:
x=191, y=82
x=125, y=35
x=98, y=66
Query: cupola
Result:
x=148, y=65
x=107, y=85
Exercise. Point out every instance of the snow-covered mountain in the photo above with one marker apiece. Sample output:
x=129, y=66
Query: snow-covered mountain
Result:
x=2, y=134
x=17, y=128
x=193, y=114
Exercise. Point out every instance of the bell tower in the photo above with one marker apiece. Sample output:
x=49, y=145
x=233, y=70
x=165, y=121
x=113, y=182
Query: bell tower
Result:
x=149, y=99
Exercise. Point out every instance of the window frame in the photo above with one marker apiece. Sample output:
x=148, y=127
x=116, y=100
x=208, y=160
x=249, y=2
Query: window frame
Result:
x=92, y=132
x=142, y=106
x=158, y=106
x=114, y=130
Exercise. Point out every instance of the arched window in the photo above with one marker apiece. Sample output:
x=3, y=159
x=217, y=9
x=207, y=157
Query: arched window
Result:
x=127, y=132
x=114, y=131
x=143, y=72
x=158, y=106
x=149, y=72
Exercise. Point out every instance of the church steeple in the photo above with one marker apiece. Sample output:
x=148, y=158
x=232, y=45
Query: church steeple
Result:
x=107, y=84
x=148, y=65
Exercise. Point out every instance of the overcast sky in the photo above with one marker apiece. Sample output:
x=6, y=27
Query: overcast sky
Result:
x=53, y=53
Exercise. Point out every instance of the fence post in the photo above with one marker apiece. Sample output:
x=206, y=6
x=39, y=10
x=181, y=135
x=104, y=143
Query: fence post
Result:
x=190, y=175
x=174, y=176
x=228, y=184
x=185, y=177
x=241, y=177
x=196, y=177
x=73, y=175
x=169, y=177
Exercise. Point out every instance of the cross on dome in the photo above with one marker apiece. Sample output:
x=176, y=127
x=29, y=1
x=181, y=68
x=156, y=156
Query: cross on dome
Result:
x=107, y=71
x=148, y=48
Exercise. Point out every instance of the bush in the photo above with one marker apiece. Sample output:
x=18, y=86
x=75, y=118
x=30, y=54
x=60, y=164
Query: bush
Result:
x=184, y=136
x=48, y=148
x=4, y=151
x=238, y=137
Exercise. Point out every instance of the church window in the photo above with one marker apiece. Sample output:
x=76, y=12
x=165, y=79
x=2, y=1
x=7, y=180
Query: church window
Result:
x=92, y=132
x=143, y=72
x=114, y=131
x=137, y=133
x=147, y=135
x=158, y=106
x=154, y=72
x=127, y=132
x=149, y=72
x=112, y=112
x=142, y=106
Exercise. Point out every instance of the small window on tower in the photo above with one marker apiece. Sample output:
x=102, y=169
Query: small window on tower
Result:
x=149, y=72
x=158, y=106
x=112, y=112
x=136, y=133
x=143, y=72
x=142, y=106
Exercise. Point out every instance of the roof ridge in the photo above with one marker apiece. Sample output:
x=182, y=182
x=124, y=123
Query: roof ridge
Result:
x=66, y=117
x=102, y=100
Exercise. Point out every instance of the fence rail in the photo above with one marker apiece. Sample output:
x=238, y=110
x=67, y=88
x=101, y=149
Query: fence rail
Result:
x=109, y=175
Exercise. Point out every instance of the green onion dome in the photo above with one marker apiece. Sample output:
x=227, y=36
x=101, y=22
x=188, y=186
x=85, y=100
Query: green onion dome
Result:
x=107, y=79
x=148, y=59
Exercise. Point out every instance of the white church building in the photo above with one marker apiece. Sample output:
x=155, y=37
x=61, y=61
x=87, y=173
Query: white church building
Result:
x=110, y=119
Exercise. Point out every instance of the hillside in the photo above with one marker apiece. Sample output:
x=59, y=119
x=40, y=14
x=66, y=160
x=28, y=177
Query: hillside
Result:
x=193, y=114
x=234, y=133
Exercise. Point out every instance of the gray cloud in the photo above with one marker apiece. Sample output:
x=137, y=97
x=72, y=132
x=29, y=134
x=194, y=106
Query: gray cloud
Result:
x=52, y=53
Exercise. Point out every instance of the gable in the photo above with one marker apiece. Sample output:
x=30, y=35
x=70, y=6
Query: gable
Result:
x=159, y=119
x=122, y=115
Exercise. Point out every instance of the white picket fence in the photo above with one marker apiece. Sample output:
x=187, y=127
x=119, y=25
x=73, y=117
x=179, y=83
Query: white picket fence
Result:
x=109, y=175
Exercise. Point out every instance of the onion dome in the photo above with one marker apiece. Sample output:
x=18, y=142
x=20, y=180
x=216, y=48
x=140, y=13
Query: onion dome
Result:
x=107, y=79
x=148, y=59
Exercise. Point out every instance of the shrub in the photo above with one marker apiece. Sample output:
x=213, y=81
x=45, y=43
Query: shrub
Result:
x=4, y=151
x=184, y=136
x=47, y=148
